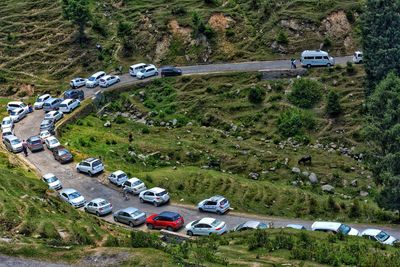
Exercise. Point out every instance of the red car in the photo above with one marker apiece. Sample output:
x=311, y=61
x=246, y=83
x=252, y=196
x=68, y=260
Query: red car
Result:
x=169, y=220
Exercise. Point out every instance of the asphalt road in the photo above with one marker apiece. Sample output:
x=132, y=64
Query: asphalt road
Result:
x=95, y=187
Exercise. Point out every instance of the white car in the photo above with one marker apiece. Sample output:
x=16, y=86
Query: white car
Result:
x=118, y=177
x=68, y=105
x=73, y=197
x=6, y=132
x=334, y=227
x=90, y=166
x=77, y=82
x=379, y=236
x=17, y=104
x=40, y=101
x=93, y=80
x=148, y=71
x=54, y=115
x=134, y=185
x=52, y=181
x=18, y=114
x=206, y=226
x=155, y=195
x=44, y=135
x=109, y=80
x=7, y=122
x=51, y=142
x=358, y=57
x=134, y=69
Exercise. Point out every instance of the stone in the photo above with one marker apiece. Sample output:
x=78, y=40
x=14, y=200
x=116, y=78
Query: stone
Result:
x=313, y=178
x=189, y=123
x=364, y=194
x=107, y=124
x=296, y=170
x=162, y=123
x=254, y=175
x=239, y=138
x=305, y=174
x=174, y=122
x=354, y=183
x=328, y=188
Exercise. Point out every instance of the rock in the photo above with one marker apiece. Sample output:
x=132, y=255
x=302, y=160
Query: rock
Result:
x=174, y=122
x=107, y=124
x=354, y=183
x=239, y=138
x=328, y=188
x=364, y=194
x=174, y=168
x=313, y=178
x=189, y=123
x=162, y=123
x=254, y=175
x=305, y=174
x=296, y=170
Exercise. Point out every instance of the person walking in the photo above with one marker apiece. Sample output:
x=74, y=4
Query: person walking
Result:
x=125, y=192
x=293, y=63
x=25, y=148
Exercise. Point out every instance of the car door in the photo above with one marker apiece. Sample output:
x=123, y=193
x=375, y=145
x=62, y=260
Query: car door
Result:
x=123, y=217
x=209, y=205
x=64, y=197
x=149, y=196
x=128, y=185
x=199, y=229
x=89, y=207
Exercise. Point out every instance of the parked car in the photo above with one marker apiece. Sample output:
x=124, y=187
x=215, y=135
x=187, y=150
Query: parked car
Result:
x=34, y=143
x=109, y=80
x=134, y=69
x=93, y=80
x=51, y=142
x=12, y=143
x=7, y=122
x=68, y=105
x=15, y=105
x=118, y=177
x=217, y=204
x=170, y=71
x=52, y=181
x=44, y=135
x=40, y=101
x=206, y=226
x=169, y=220
x=134, y=185
x=18, y=114
x=148, y=71
x=6, y=132
x=47, y=124
x=77, y=82
x=131, y=216
x=99, y=207
x=250, y=225
x=90, y=166
x=311, y=58
x=62, y=155
x=73, y=197
x=54, y=115
x=379, y=236
x=296, y=226
x=334, y=227
x=52, y=104
x=74, y=94
x=358, y=57
x=155, y=195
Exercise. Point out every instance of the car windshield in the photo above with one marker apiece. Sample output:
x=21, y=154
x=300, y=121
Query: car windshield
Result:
x=7, y=121
x=35, y=142
x=215, y=223
x=344, y=229
x=262, y=226
x=63, y=152
x=39, y=99
x=74, y=195
x=138, y=182
x=15, y=142
x=136, y=213
x=63, y=105
x=53, y=141
x=161, y=193
x=92, y=78
x=13, y=112
x=51, y=179
x=382, y=236
x=103, y=203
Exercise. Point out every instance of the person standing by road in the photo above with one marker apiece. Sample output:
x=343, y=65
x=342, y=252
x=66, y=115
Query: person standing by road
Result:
x=293, y=63
x=25, y=148
x=125, y=192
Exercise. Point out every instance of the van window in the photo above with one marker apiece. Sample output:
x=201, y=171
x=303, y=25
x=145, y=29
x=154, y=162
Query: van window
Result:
x=308, y=57
x=325, y=57
x=318, y=57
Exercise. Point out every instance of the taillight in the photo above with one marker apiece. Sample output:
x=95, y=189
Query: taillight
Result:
x=158, y=198
x=219, y=228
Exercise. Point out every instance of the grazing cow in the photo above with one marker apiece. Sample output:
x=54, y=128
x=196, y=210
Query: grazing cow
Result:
x=305, y=160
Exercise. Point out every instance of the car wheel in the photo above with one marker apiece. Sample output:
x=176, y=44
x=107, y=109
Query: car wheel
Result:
x=97, y=214
x=169, y=228
x=131, y=224
x=90, y=174
x=155, y=204
x=118, y=80
x=116, y=219
x=85, y=209
x=78, y=170
x=189, y=233
x=150, y=226
x=141, y=200
x=308, y=66
x=156, y=74
x=219, y=212
x=201, y=210
x=328, y=65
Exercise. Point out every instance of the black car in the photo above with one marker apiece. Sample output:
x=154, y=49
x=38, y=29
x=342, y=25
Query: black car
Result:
x=62, y=154
x=170, y=71
x=74, y=94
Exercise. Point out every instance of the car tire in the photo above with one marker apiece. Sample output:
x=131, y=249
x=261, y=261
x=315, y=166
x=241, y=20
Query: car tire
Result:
x=78, y=170
x=219, y=212
x=169, y=228
x=308, y=66
x=85, y=209
x=97, y=214
x=156, y=204
x=131, y=224
x=141, y=200
x=156, y=74
x=115, y=219
x=90, y=174
x=150, y=226
x=189, y=233
x=201, y=210
x=118, y=80
x=328, y=65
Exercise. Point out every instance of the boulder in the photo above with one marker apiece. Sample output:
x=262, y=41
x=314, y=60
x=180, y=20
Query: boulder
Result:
x=107, y=124
x=354, y=183
x=254, y=175
x=296, y=170
x=174, y=122
x=328, y=188
x=313, y=178
x=364, y=194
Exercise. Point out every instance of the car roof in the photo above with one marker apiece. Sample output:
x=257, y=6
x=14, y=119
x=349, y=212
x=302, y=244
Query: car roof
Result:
x=59, y=148
x=315, y=52
x=48, y=175
x=326, y=225
x=98, y=73
x=51, y=99
x=169, y=214
x=137, y=65
x=11, y=137
x=35, y=137
x=8, y=118
x=129, y=209
x=156, y=189
x=51, y=137
x=118, y=172
x=52, y=112
x=207, y=220
x=134, y=179
x=90, y=159
x=18, y=109
x=295, y=226
x=15, y=103
x=66, y=101
x=98, y=200
x=68, y=190
x=107, y=76
x=45, y=95
x=149, y=66
x=77, y=78
x=216, y=198
x=6, y=130
x=251, y=224
x=372, y=232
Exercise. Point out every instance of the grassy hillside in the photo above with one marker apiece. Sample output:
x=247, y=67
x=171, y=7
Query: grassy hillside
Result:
x=207, y=138
x=38, y=48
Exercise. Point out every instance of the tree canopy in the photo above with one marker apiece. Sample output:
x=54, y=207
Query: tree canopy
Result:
x=77, y=11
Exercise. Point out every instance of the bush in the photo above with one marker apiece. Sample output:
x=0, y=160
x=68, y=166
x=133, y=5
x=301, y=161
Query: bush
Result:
x=119, y=120
x=333, y=107
x=178, y=10
x=327, y=42
x=306, y=93
x=350, y=68
x=282, y=38
x=256, y=95
x=141, y=239
x=145, y=130
x=294, y=121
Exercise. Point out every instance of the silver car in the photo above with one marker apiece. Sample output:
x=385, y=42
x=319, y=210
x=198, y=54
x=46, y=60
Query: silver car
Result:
x=7, y=122
x=17, y=114
x=134, y=185
x=54, y=115
x=131, y=216
x=155, y=195
x=47, y=124
x=250, y=225
x=73, y=197
x=217, y=204
x=12, y=143
x=52, y=181
x=118, y=177
x=90, y=166
x=206, y=226
x=99, y=207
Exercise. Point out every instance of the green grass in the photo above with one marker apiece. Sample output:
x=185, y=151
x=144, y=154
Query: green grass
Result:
x=174, y=157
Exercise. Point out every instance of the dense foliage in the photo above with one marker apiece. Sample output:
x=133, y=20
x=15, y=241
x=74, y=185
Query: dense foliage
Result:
x=306, y=93
x=333, y=107
x=256, y=95
x=78, y=12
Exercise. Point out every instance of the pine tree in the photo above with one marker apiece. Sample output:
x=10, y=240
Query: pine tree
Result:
x=333, y=107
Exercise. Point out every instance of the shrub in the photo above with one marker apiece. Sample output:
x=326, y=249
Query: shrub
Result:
x=145, y=130
x=119, y=120
x=256, y=95
x=333, y=107
x=141, y=239
x=306, y=93
x=282, y=38
x=327, y=42
x=178, y=10
x=294, y=121
x=350, y=68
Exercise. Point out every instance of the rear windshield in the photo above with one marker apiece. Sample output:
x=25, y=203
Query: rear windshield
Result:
x=103, y=203
x=344, y=229
x=96, y=163
x=92, y=78
x=223, y=202
x=63, y=105
x=62, y=152
x=161, y=193
x=51, y=179
x=36, y=141
x=138, y=182
x=215, y=223
x=136, y=213
x=74, y=195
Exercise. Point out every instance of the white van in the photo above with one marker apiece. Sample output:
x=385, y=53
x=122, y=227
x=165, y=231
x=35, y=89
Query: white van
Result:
x=69, y=105
x=311, y=58
x=358, y=57
x=93, y=80
x=134, y=69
